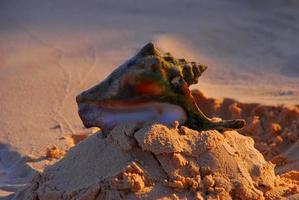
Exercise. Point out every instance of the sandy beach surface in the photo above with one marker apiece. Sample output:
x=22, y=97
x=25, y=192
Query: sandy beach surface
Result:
x=52, y=50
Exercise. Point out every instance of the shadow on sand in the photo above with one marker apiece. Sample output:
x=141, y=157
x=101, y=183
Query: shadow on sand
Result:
x=15, y=173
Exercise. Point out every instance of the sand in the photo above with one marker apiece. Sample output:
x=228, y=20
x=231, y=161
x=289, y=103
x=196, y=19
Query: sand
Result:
x=52, y=50
x=157, y=162
x=170, y=162
x=273, y=128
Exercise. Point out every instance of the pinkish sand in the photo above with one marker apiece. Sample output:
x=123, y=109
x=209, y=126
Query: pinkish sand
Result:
x=159, y=162
x=50, y=51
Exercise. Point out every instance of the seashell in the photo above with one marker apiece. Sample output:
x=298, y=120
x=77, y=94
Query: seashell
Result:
x=151, y=86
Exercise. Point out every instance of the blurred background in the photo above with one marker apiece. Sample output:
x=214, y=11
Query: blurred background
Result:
x=251, y=47
x=50, y=50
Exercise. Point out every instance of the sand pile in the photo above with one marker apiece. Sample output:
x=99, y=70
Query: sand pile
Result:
x=157, y=162
x=275, y=129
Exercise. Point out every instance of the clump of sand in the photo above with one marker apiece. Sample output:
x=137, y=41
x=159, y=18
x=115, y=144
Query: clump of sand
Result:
x=275, y=129
x=54, y=153
x=157, y=162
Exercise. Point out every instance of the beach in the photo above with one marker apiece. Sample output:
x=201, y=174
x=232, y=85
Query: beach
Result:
x=50, y=51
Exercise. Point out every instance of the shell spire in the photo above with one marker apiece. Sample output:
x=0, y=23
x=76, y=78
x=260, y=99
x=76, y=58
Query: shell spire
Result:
x=148, y=49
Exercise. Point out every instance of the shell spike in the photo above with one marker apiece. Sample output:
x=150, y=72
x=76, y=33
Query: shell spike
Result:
x=148, y=49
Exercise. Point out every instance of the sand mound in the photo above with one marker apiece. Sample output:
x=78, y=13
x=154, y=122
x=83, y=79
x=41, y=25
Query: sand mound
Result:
x=160, y=162
x=275, y=129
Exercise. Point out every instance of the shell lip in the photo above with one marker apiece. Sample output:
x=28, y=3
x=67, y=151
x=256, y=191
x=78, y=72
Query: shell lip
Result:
x=107, y=115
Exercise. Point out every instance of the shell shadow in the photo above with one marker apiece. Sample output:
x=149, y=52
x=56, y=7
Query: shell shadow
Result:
x=15, y=173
